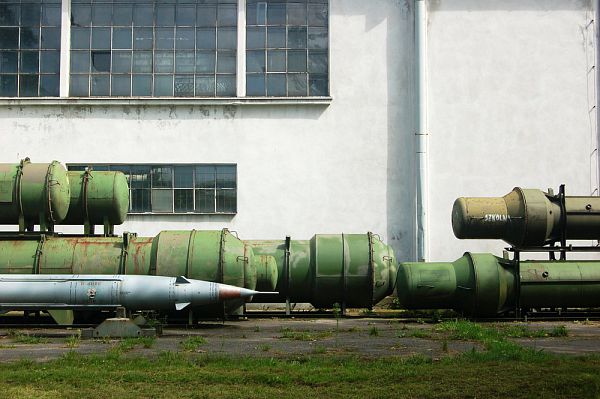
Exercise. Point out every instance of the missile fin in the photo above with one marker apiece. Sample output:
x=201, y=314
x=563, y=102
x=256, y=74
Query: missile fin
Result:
x=62, y=317
x=182, y=280
x=181, y=306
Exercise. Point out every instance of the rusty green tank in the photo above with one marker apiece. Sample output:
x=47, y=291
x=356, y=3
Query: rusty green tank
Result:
x=33, y=194
x=97, y=198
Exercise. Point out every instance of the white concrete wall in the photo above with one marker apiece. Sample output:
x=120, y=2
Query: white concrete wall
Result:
x=302, y=169
x=510, y=93
x=510, y=90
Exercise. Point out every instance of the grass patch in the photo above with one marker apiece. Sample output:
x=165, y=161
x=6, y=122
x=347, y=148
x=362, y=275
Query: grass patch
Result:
x=560, y=331
x=373, y=331
x=192, y=344
x=23, y=338
x=128, y=344
x=179, y=375
x=265, y=347
x=73, y=341
x=304, y=335
x=466, y=330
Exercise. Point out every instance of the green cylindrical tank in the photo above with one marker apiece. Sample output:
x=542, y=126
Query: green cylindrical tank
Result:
x=484, y=285
x=97, y=197
x=33, y=193
x=353, y=270
x=526, y=217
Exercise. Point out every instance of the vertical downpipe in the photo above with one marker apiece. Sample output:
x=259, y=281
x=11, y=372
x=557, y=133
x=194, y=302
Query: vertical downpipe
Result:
x=422, y=134
x=597, y=90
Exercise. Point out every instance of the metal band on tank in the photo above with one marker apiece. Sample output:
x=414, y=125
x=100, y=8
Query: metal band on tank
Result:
x=38, y=254
x=18, y=194
x=47, y=188
x=86, y=178
x=222, y=255
x=190, y=253
x=371, y=266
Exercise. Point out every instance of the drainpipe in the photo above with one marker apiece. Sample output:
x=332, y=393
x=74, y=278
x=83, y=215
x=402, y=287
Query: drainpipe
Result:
x=421, y=134
x=597, y=79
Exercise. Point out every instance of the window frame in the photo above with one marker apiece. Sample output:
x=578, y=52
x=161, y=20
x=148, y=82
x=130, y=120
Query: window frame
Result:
x=78, y=166
x=240, y=97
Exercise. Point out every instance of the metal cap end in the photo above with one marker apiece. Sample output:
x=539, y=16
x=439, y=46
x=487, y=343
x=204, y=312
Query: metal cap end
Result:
x=459, y=217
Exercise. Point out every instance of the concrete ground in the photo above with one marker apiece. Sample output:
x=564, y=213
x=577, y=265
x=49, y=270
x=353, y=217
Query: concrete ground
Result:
x=369, y=337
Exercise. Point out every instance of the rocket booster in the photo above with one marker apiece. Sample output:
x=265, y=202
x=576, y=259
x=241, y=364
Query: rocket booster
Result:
x=41, y=292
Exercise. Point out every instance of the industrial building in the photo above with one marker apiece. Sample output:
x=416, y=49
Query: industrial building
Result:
x=297, y=117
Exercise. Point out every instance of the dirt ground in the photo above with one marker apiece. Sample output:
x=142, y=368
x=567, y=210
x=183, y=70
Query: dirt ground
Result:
x=284, y=337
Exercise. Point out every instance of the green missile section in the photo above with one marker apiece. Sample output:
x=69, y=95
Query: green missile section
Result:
x=483, y=285
x=33, y=193
x=97, y=198
x=353, y=270
x=560, y=284
x=476, y=284
x=526, y=217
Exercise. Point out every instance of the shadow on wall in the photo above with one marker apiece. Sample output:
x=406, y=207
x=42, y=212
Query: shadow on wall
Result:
x=400, y=196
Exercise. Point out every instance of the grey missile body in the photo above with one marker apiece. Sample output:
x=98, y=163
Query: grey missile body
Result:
x=42, y=292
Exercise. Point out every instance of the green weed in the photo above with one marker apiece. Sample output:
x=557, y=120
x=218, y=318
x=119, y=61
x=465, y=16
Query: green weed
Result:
x=193, y=343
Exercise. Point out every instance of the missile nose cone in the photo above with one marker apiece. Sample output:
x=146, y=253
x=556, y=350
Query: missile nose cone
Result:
x=230, y=292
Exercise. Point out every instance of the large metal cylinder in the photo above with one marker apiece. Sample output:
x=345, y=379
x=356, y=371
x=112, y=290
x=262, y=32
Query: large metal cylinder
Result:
x=97, y=198
x=33, y=193
x=526, y=217
x=352, y=270
x=483, y=285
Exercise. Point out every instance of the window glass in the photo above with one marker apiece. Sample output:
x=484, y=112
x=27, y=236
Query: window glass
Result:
x=162, y=48
x=184, y=86
x=205, y=201
x=162, y=177
x=184, y=176
x=226, y=201
x=296, y=48
x=29, y=43
x=140, y=200
x=142, y=85
x=184, y=200
x=162, y=201
x=100, y=85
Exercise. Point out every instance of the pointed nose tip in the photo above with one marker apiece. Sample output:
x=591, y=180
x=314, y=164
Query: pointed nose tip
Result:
x=231, y=292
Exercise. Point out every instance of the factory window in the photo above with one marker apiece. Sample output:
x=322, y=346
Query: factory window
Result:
x=30, y=48
x=199, y=188
x=164, y=48
x=287, y=48
x=153, y=48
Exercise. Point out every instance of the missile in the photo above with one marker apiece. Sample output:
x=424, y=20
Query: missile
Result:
x=48, y=292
